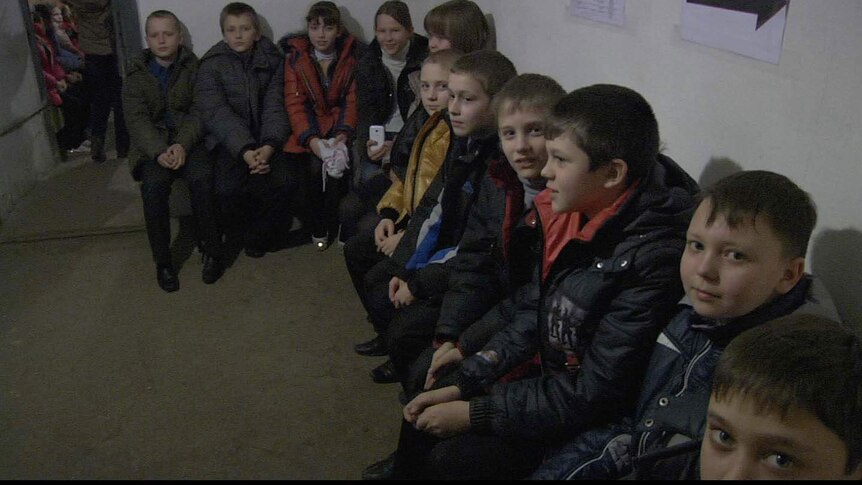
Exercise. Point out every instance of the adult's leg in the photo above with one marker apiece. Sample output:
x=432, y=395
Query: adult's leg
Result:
x=155, y=191
x=97, y=74
x=121, y=133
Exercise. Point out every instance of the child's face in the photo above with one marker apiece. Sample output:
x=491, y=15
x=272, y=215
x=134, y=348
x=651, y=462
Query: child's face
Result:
x=434, y=80
x=57, y=15
x=574, y=188
x=239, y=32
x=469, y=106
x=742, y=444
x=163, y=38
x=730, y=272
x=523, y=141
x=437, y=42
x=322, y=36
x=391, y=35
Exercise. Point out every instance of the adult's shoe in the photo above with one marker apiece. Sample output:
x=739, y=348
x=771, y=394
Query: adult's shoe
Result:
x=382, y=470
x=213, y=269
x=375, y=347
x=97, y=149
x=167, y=278
x=384, y=373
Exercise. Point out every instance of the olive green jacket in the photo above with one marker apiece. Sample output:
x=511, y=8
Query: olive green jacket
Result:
x=146, y=107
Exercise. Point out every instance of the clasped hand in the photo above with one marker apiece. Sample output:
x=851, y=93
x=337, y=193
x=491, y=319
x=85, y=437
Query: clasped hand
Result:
x=173, y=158
x=258, y=160
x=439, y=413
x=399, y=293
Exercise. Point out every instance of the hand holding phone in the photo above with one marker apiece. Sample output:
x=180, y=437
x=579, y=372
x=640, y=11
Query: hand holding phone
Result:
x=376, y=133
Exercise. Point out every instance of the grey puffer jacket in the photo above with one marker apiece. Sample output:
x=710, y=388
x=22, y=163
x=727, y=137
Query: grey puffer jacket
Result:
x=241, y=98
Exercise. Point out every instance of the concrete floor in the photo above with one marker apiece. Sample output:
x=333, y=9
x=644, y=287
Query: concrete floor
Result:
x=104, y=376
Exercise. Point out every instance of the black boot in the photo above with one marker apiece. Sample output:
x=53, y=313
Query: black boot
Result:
x=167, y=278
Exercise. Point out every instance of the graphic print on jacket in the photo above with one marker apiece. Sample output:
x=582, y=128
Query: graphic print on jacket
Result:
x=566, y=332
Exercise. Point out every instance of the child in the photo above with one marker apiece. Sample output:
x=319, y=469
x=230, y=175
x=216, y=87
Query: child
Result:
x=786, y=403
x=165, y=136
x=240, y=96
x=320, y=98
x=492, y=261
x=495, y=252
x=438, y=222
x=457, y=24
x=612, y=220
x=743, y=266
x=425, y=156
x=387, y=80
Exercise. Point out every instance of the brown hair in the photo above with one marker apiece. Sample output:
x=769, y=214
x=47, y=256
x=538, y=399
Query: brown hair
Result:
x=799, y=361
x=162, y=14
x=237, y=9
x=528, y=92
x=325, y=10
x=460, y=21
x=490, y=68
x=398, y=10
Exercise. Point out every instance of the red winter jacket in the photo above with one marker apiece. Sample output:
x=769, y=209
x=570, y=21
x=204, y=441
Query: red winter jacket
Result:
x=313, y=112
x=51, y=68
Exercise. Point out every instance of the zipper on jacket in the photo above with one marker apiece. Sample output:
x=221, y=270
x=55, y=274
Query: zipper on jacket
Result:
x=691, y=367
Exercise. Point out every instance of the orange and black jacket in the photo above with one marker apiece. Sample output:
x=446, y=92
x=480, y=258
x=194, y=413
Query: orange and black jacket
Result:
x=314, y=110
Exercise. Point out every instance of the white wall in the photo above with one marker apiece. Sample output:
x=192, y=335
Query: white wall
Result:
x=802, y=118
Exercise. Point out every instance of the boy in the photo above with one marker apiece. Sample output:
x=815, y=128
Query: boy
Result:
x=496, y=253
x=165, y=138
x=417, y=153
x=743, y=266
x=786, y=403
x=413, y=271
x=612, y=221
x=240, y=95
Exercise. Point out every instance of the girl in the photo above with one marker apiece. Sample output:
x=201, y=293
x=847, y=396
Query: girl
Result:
x=320, y=98
x=387, y=81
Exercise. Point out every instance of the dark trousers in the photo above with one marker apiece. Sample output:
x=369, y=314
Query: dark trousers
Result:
x=360, y=255
x=411, y=331
x=76, y=114
x=469, y=456
x=317, y=206
x=105, y=87
x=156, y=184
x=254, y=209
x=358, y=210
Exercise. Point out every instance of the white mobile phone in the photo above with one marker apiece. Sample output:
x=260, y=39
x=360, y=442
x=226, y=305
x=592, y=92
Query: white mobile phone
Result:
x=377, y=133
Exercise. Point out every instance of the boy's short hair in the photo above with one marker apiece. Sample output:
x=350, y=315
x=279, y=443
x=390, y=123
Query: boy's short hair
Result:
x=799, y=361
x=444, y=58
x=607, y=121
x=237, y=9
x=325, y=10
x=398, y=10
x=746, y=195
x=460, y=21
x=528, y=92
x=162, y=14
x=490, y=68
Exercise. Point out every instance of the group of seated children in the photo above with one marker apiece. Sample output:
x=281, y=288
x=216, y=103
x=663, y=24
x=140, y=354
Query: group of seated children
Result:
x=556, y=297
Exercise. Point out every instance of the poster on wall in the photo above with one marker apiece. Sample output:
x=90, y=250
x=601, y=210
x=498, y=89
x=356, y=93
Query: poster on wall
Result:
x=608, y=11
x=753, y=28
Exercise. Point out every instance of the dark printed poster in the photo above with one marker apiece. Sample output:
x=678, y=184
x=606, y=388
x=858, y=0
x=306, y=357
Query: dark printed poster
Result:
x=753, y=28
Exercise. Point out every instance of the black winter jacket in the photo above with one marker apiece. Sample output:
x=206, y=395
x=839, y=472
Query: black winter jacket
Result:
x=459, y=181
x=593, y=317
x=674, y=397
x=487, y=267
x=242, y=103
x=375, y=93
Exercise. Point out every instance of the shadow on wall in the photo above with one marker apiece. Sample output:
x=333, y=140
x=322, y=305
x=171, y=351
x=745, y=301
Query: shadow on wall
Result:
x=187, y=37
x=491, y=43
x=836, y=260
x=354, y=26
x=716, y=169
x=266, y=28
